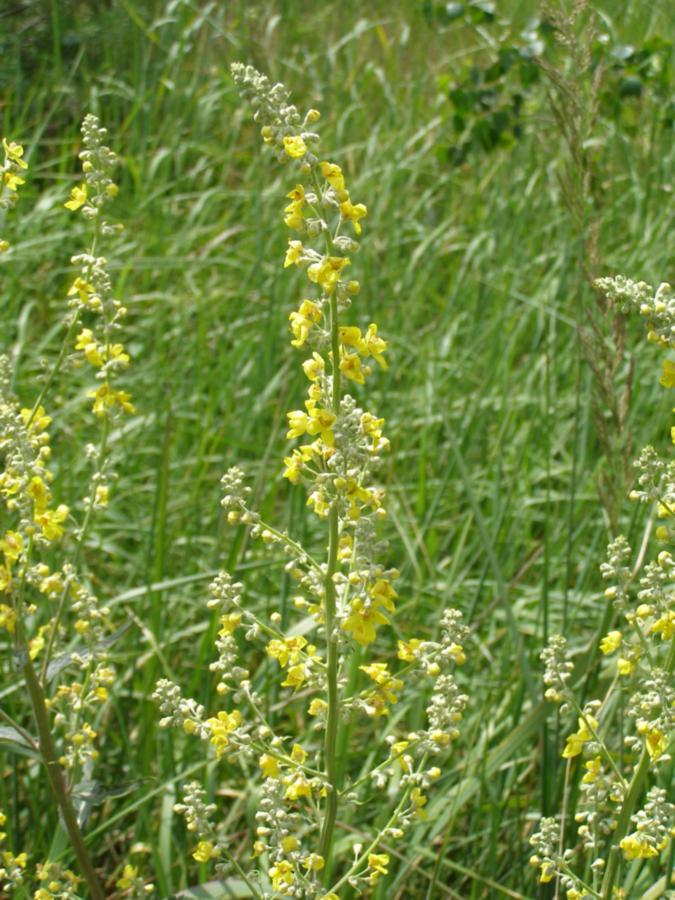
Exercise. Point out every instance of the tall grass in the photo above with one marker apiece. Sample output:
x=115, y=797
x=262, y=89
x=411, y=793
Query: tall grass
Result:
x=473, y=278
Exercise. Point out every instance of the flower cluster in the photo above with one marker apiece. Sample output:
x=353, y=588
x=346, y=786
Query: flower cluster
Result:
x=12, y=170
x=345, y=598
x=620, y=758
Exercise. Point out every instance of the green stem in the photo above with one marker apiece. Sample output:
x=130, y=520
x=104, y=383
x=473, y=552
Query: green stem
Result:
x=57, y=781
x=333, y=714
x=629, y=805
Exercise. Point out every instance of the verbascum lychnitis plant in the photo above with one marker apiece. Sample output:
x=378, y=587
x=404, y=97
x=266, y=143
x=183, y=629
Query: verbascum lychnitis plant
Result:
x=58, y=630
x=331, y=678
x=619, y=763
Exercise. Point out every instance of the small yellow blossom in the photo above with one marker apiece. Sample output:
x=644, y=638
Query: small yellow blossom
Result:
x=287, y=650
x=377, y=863
x=593, y=767
x=221, y=727
x=353, y=213
x=50, y=521
x=106, y=397
x=295, y=677
x=637, y=846
x=314, y=367
x=282, y=876
x=363, y=621
x=298, y=754
x=204, y=851
x=7, y=616
x=78, y=197
x=14, y=152
x=12, y=180
x=611, y=642
x=295, y=146
x=293, y=253
x=333, y=175
x=625, y=666
x=326, y=272
x=297, y=786
x=350, y=366
x=656, y=743
x=317, y=707
x=11, y=546
x=668, y=375
x=314, y=862
x=407, y=650
x=576, y=741
x=375, y=346
x=269, y=766
x=39, y=421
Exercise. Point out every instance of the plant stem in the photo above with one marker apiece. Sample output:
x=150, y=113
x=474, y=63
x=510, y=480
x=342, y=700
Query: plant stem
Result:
x=333, y=714
x=57, y=781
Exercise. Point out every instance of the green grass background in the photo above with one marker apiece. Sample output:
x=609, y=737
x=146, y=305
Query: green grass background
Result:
x=472, y=275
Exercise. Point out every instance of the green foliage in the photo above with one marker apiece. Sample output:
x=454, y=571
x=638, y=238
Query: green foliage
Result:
x=474, y=275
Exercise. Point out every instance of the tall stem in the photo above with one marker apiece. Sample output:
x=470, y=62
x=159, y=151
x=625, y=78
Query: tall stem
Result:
x=333, y=714
x=57, y=781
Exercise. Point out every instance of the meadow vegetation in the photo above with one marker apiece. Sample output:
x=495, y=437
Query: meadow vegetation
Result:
x=508, y=157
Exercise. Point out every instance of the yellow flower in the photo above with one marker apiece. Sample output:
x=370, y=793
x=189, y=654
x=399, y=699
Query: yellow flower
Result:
x=39, y=493
x=636, y=846
x=665, y=625
x=314, y=862
x=4, y=246
x=287, y=650
x=282, y=876
x=294, y=677
x=294, y=146
x=14, y=152
x=383, y=594
x=656, y=743
x=353, y=213
x=105, y=397
x=269, y=766
x=289, y=843
x=86, y=293
x=7, y=616
x=668, y=375
x=317, y=707
x=625, y=666
x=204, y=851
x=333, y=175
x=294, y=209
x=228, y=623
x=377, y=863
x=50, y=521
x=407, y=650
x=611, y=642
x=593, y=767
x=78, y=197
x=351, y=336
x=375, y=346
x=293, y=253
x=350, y=366
x=221, y=727
x=303, y=320
x=576, y=741
x=297, y=786
x=129, y=873
x=11, y=545
x=85, y=341
x=419, y=800
x=326, y=272
x=314, y=367
x=12, y=181
x=298, y=754
x=363, y=621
